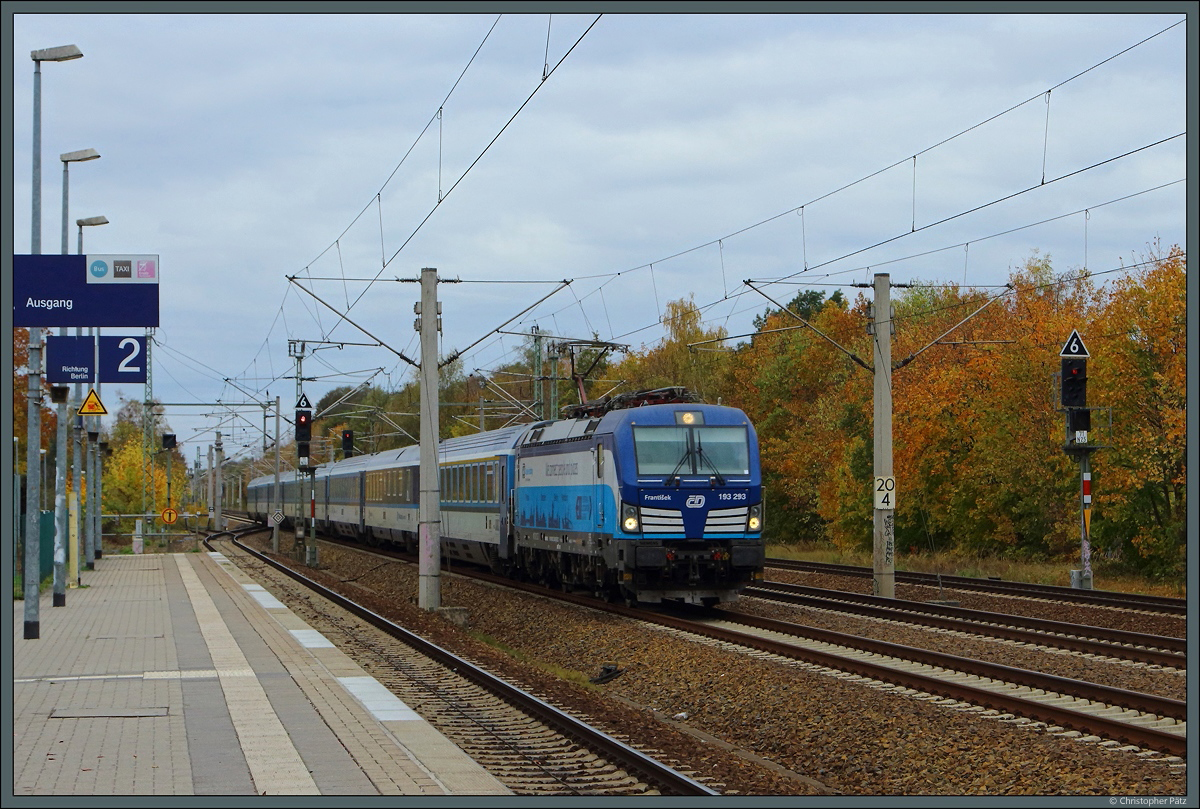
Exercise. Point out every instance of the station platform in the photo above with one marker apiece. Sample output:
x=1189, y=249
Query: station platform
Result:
x=176, y=674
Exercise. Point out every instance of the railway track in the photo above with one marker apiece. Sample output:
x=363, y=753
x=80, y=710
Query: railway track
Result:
x=531, y=746
x=1064, y=705
x=1092, y=640
x=1057, y=705
x=1143, y=720
x=1101, y=598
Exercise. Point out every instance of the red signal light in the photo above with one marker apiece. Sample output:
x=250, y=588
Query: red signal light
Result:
x=303, y=425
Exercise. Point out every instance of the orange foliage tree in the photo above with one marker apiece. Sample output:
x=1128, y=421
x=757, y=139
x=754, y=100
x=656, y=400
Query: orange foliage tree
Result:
x=978, y=427
x=1138, y=369
x=978, y=434
x=20, y=394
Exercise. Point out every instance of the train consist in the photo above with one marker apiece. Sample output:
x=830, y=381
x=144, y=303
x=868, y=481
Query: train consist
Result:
x=648, y=497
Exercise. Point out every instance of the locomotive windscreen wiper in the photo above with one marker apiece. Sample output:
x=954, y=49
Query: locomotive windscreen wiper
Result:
x=704, y=457
x=687, y=453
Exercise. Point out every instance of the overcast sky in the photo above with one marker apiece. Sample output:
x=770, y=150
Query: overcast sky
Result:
x=661, y=156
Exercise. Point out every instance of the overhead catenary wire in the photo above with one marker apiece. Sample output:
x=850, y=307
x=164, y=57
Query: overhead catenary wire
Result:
x=474, y=162
x=800, y=210
x=580, y=301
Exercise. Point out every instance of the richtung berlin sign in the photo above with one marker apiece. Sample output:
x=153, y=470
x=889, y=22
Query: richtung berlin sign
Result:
x=94, y=291
x=71, y=359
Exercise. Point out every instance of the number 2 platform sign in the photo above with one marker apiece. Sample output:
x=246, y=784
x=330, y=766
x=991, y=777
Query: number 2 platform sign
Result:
x=71, y=359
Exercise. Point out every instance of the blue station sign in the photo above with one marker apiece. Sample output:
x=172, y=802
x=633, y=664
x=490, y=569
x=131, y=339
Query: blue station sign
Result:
x=69, y=359
x=72, y=359
x=88, y=291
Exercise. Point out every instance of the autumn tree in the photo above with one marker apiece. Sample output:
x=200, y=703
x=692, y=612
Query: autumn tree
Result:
x=135, y=475
x=20, y=394
x=1138, y=369
x=810, y=405
x=978, y=436
x=676, y=360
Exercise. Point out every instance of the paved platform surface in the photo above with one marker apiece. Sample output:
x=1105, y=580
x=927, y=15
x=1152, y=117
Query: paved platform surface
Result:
x=175, y=674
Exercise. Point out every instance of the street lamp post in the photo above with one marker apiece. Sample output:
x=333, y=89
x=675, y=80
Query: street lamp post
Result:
x=61, y=533
x=67, y=159
x=83, y=533
x=88, y=222
x=62, y=53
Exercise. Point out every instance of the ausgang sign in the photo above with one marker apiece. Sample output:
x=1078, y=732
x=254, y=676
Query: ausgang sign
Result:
x=94, y=291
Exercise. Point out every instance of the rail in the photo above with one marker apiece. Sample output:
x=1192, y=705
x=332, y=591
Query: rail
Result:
x=587, y=736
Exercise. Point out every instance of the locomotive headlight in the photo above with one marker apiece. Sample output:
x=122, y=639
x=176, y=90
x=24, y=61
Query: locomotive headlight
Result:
x=754, y=521
x=629, y=519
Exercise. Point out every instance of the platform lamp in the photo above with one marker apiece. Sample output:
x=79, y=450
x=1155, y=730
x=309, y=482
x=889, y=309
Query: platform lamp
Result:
x=67, y=159
x=91, y=221
x=61, y=53
x=83, y=155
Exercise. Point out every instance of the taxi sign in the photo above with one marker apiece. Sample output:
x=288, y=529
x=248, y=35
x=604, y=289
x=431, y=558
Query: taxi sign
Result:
x=92, y=406
x=169, y=516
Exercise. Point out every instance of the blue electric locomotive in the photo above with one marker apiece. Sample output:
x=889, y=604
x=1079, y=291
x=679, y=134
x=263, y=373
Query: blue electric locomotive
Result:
x=645, y=503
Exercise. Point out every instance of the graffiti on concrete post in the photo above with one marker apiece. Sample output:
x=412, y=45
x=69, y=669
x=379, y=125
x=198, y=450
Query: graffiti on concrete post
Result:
x=889, y=538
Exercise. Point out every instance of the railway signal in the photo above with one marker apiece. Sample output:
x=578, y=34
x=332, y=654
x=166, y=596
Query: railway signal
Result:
x=1074, y=382
x=303, y=425
x=348, y=443
x=1074, y=356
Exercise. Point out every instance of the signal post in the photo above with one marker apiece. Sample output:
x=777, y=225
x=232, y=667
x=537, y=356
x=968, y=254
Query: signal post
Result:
x=303, y=437
x=1074, y=356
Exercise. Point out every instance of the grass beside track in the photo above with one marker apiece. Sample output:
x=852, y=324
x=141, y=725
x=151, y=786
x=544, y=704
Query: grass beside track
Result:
x=1104, y=576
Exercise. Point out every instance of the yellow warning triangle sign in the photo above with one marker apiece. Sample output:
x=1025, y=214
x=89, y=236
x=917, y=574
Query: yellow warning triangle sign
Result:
x=92, y=406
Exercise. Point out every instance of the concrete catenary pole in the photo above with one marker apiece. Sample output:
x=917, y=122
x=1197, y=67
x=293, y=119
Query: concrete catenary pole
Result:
x=884, y=484
x=429, y=519
x=277, y=498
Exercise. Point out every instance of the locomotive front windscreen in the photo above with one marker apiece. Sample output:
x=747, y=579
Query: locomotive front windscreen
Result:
x=692, y=450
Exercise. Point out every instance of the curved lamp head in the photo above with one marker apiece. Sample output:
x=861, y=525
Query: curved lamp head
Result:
x=62, y=53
